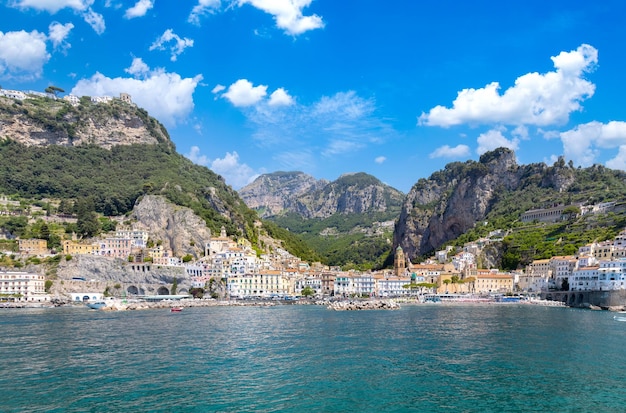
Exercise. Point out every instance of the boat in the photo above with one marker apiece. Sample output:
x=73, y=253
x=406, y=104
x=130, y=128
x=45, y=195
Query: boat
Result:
x=176, y=309
x=96, y=305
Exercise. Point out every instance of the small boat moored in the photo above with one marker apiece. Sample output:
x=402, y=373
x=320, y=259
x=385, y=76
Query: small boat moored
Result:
x=176, y=309
x=96, y=305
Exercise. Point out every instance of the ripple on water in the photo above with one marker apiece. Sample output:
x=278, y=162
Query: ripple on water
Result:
x=293, y=359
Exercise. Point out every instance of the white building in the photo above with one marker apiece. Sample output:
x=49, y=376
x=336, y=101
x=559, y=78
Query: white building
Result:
x=314, y=282
x=22, y=286
x=138, y=237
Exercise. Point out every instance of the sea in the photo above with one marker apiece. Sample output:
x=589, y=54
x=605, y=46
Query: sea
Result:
x=307, y=358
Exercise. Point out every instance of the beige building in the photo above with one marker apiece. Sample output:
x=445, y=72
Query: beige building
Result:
x=74, y=248
x=492, y=281
x=33, y=246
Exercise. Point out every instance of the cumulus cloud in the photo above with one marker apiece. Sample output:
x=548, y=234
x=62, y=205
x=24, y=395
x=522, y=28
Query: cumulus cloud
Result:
x=53, y=6
x=535, y=99
x=203, y=8
x=494, y=139
x=139, y=9
x=138, y=67
x=196, y=157
x=81, y=7
x=288, y=14
x=235, y=174
x=619, y=162
x=280, y=97
x=22, y=54
x=583, y=143
x=166, y=96
x=95, y=20
x=179, y=44
x=58, y=33
x=445, y=151
x=242, y=93
x=380, y=159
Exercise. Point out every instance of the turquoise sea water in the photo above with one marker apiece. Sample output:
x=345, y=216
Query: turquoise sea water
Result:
x=422, y=358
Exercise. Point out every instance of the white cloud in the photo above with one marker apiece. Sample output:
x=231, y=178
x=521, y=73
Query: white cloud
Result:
x=203, y=8
x=288, y=14
x=619, y=162
x=139, y=9
x=95, y=20
x=280, y=97
x=166, y=96
x=551, y=160
x=22, y=54
x=218, y=88
x=242, y=93
x=535, y=99
x=339, y=146
x=583, y=143
x=196, y=157
x=53, y=6
x=58, y=34
x=380, y=159
x=235, y=174
x=180, y=44
x=459, y=151
x=334, y=125
x=138, y=67
x=493, y=139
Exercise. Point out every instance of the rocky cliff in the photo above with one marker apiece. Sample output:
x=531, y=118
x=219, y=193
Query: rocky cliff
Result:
x=43, y=122
x=178, y=228
x=271, y=194
x=451, y=201
x=296, y=192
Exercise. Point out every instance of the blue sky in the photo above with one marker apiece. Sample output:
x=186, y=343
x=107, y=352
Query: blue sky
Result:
x=396, y=89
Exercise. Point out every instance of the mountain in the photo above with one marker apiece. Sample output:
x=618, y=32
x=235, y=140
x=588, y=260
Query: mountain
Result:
x=115, y=159
x=280, y=193
x=275, y=193
x=494, y=192
x=348, y=222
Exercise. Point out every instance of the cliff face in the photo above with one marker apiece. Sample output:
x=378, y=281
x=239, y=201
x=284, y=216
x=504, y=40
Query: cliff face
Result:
x=179, y=228
x=59, y=123
x=271, y=194
x=296, y=192
x=452, y=201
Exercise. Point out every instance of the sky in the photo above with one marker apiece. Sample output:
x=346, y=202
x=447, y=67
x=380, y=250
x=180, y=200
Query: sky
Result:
x=396, y=89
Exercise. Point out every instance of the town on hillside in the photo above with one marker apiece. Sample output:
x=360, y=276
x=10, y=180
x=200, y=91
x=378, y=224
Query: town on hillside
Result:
x=452, y=272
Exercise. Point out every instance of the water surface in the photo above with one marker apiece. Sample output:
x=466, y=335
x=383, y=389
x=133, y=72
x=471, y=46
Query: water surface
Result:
x=428, y=358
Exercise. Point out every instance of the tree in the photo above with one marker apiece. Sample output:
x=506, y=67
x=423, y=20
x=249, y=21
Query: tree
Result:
x=197, y=292
x=307, y=291
x=54, y=90
x=174, y=286
x=447, y=282
x=44, y=232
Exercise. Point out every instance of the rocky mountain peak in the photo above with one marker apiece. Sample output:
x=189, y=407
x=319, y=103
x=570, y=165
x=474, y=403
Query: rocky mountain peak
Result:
x=296, y=192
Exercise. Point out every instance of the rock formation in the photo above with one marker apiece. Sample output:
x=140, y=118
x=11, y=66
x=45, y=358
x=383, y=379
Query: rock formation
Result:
x=296, y=192
x=451, y=201
x=178, y=228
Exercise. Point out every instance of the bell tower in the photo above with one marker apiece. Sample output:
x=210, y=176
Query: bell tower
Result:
x=399, y=262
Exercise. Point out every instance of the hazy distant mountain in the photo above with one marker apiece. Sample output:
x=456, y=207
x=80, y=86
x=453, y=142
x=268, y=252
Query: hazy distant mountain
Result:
x=295, y=192
x=349, y=221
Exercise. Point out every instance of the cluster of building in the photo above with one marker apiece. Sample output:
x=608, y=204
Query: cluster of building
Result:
x=598, y=266
x=72, y=99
